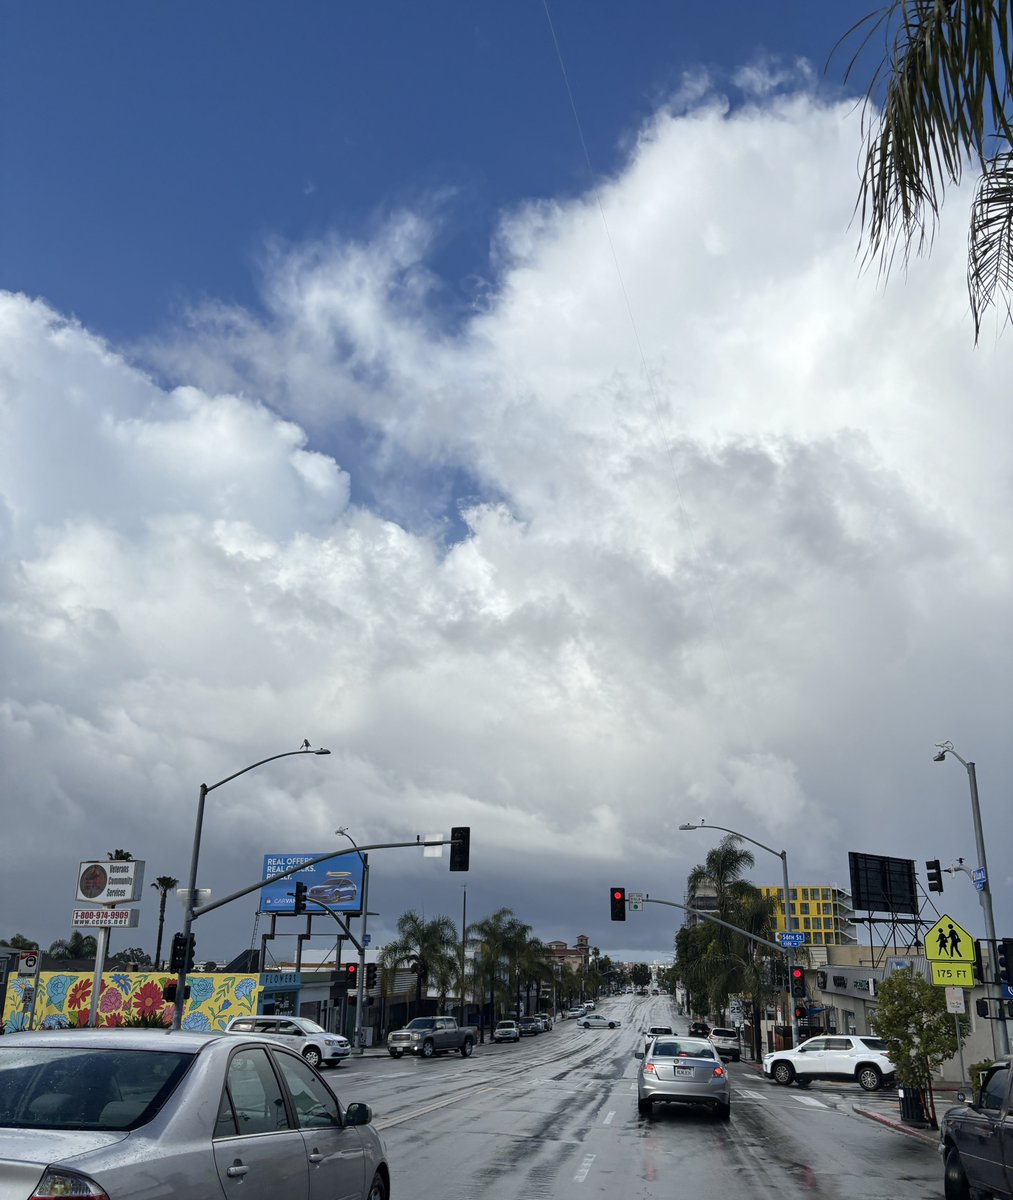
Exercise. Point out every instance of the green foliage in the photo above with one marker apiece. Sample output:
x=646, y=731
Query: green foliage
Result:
x=20, y=942
x=912, y=1020
x=976, y=1071
x=640, y=973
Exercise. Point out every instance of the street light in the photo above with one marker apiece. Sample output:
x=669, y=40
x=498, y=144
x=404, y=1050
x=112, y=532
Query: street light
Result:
x=188, y=919
x=360, y=1047
x=985, y=895
x=788, y=919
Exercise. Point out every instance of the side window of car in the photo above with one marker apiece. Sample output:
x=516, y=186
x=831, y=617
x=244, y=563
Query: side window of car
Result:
x=243, y=1026
x=838, y=1043
x=290, y=1030
x=993, y=1094
x=257, y=1103
x=315, y=1107
x=815, y=1044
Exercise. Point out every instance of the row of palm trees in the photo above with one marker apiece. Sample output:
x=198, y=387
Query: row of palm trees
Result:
x=506, y=964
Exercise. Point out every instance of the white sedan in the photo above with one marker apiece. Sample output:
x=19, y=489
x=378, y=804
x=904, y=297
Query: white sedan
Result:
x=597, y=1021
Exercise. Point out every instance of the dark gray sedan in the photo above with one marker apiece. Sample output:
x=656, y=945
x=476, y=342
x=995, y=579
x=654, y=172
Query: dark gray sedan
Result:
x=138, y=1113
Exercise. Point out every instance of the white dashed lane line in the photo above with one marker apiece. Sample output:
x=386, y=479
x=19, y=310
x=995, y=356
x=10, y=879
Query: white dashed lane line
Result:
x=585, y=1166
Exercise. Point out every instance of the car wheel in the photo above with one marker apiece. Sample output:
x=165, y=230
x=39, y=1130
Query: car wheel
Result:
x=428, y=1049
x=783, y=1073
x=312, y=1056
x=612, y=1024
x=587, y=1024
x=643, y=1107
x=378, y=1188
x=955, y=1186
x=723, y=1112
x=467, y=1048
x=869, y=1078
x=395, y=1053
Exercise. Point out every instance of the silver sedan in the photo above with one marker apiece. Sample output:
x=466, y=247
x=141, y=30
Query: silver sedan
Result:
x=683, y=1070
x=141, y=1113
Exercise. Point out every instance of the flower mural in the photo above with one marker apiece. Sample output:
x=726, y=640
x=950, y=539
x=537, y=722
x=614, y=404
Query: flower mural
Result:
x=64, y=999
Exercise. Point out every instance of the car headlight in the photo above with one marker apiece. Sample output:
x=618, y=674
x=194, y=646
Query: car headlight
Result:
x=416, y=1037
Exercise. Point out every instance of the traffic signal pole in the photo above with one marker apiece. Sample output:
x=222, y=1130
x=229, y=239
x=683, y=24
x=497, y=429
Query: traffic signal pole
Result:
x=360, y=1044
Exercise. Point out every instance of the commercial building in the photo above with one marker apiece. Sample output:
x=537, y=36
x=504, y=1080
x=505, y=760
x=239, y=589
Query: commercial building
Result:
x=823, y=912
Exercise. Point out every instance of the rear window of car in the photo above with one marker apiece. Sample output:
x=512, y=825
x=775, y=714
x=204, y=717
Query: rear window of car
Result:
x=724, y=1033
x=657, y=1030
x=667, y=1049
x=49, y=1087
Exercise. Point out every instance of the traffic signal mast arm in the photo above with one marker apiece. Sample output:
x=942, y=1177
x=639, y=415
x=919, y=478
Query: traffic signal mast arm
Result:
x=717, y=921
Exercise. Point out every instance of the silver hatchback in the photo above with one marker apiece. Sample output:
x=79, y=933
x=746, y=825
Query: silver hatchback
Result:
x=682, y=1070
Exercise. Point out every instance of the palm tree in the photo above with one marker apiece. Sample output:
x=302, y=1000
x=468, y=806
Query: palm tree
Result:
x=722, y=872
x=424, y=947
x=164, y=884
x=491, y=938
x=119, y=855
x=949, y=83
x=78, y=945
x=20, y=942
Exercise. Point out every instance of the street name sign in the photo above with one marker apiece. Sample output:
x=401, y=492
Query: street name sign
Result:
x=948, y=942
x=793, y=939
x=980, y=877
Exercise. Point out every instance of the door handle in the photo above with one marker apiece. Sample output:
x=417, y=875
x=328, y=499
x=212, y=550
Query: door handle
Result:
x=315, y=1156
x=237, y=1170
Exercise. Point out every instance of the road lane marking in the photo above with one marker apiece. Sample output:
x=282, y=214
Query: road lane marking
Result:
x=810, y=1101
x=608, y=1119
x=750, y=1095
x=585, y=1166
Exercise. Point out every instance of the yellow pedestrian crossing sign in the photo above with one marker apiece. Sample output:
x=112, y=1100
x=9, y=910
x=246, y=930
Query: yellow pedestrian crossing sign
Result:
x=948, y=942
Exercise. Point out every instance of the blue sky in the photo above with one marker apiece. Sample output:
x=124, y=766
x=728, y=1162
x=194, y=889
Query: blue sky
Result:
x=339, y=400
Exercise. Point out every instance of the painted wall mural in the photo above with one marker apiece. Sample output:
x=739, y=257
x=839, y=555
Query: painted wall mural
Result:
x=64, y=1000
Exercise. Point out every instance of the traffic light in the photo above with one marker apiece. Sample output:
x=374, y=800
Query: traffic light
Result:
x=169, y=993
x=935, y=875
x=1004, y=960
x=797, y=983
x=979, y=963
x=371, y=975
x=981, y=1008
x=799, y=1012
x=460, y=847
x=181, y=953
x=352, y=975
x=299, y=898
x=617, y=896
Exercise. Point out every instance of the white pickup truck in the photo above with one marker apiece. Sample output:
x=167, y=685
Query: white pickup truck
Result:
x=427, y=1036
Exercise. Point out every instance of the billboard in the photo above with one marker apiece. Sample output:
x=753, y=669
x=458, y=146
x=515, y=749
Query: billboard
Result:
x=336, y=883
x=881, y=884
x=114, y=881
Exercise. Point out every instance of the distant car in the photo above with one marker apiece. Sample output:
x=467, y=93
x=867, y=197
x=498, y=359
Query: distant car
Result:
x=653, y=1031
x=589, y=1005
x=597, y=1021
x=699, y=1029
x=339, y=889
x=130, y=1113
x=545, y=1019
x=678, y=1070
x=305, y=1037
x=575, y=1012
x=862, y=1059
x=506, y=1031
x=726, y=1043
x=529, y=1026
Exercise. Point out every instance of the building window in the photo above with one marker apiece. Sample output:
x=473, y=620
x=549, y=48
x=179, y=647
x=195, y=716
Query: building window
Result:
x=804, y=909
x=793, y=893
x=818, y=939
x=826, y=894
x=805, y=924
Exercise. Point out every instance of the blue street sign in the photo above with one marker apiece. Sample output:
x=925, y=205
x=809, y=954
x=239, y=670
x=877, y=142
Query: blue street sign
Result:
x=791, y=939
x=980, y=877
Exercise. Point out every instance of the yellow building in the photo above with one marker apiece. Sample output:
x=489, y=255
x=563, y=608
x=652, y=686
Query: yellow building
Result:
x=822, y=912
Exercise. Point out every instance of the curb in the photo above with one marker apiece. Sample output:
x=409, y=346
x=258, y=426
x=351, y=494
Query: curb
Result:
x=897, y=1126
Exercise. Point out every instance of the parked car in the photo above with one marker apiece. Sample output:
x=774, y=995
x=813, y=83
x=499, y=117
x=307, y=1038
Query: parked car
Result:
x=726, y=1043
x=974, y=1138
x=88, y=1112
x=545, y=1019
x=863, y=1059
x=597, y=1021
x=576, y=1012
x=653, y=1031
x=305, y=1037
x=506, y=1031
x=678, y=1070
x=529, y=1026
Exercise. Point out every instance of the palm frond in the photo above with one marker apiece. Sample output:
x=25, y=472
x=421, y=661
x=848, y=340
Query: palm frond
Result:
x=990, y=254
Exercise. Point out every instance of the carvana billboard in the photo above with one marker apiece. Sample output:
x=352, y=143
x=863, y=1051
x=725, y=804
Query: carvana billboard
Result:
x=336, y=882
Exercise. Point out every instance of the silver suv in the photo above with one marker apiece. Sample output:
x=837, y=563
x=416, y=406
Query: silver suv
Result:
x=306, y=1037
x=862, y=1059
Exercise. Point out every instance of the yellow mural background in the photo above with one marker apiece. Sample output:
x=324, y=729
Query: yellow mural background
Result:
x=64, y=998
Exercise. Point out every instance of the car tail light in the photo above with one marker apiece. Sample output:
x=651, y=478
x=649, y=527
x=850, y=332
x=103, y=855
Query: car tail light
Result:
x=719, y=1071
x=648, y=1068
x=57, y=1182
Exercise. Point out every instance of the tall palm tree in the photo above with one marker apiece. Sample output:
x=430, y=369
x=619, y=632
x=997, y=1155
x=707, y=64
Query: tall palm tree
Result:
x=422, y=946
x=119, y=855
x=721, y=871
x=492, y=938
x=164, y=884
x=948, y=99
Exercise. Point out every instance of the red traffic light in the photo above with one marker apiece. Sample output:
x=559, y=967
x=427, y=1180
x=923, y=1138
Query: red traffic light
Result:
x=797, y=973
x=617, y=894
x=799, y=1012
x=352, y=968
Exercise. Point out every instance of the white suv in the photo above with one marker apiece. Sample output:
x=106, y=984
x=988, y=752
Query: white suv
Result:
x=315, y=1044
x=726, y=1043
x=862, y=1059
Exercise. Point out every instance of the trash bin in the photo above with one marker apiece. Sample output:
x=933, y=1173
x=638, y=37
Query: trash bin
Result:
x=912, y=1106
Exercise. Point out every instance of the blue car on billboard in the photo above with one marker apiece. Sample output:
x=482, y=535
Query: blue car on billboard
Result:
x=339, y=889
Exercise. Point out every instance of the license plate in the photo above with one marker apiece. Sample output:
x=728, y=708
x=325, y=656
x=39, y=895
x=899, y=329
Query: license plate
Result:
x=684, y=1070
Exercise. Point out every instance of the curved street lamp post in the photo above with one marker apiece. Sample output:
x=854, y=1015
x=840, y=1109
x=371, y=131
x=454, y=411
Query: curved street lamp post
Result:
x=188, y=919
x=985, y=894
x=788, y=918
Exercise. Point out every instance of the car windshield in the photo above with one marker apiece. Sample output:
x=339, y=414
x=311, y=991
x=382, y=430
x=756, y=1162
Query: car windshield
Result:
x=421, y=1023
x=50, y=1087
x=308, y=1026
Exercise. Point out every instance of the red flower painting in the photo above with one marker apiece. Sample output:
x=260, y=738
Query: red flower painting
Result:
x=148, y=1000
x=80, y=994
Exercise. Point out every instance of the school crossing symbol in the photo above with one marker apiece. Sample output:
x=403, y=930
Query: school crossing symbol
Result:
x=950, y=951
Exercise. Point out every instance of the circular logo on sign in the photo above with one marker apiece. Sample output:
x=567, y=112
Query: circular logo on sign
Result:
x=93, y=881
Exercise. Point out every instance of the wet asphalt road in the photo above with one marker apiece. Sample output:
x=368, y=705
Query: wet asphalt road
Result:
x=556, y=1116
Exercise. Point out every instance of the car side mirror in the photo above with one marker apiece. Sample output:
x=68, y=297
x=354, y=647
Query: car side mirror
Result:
x=358, y=1114
x=638, y=1054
